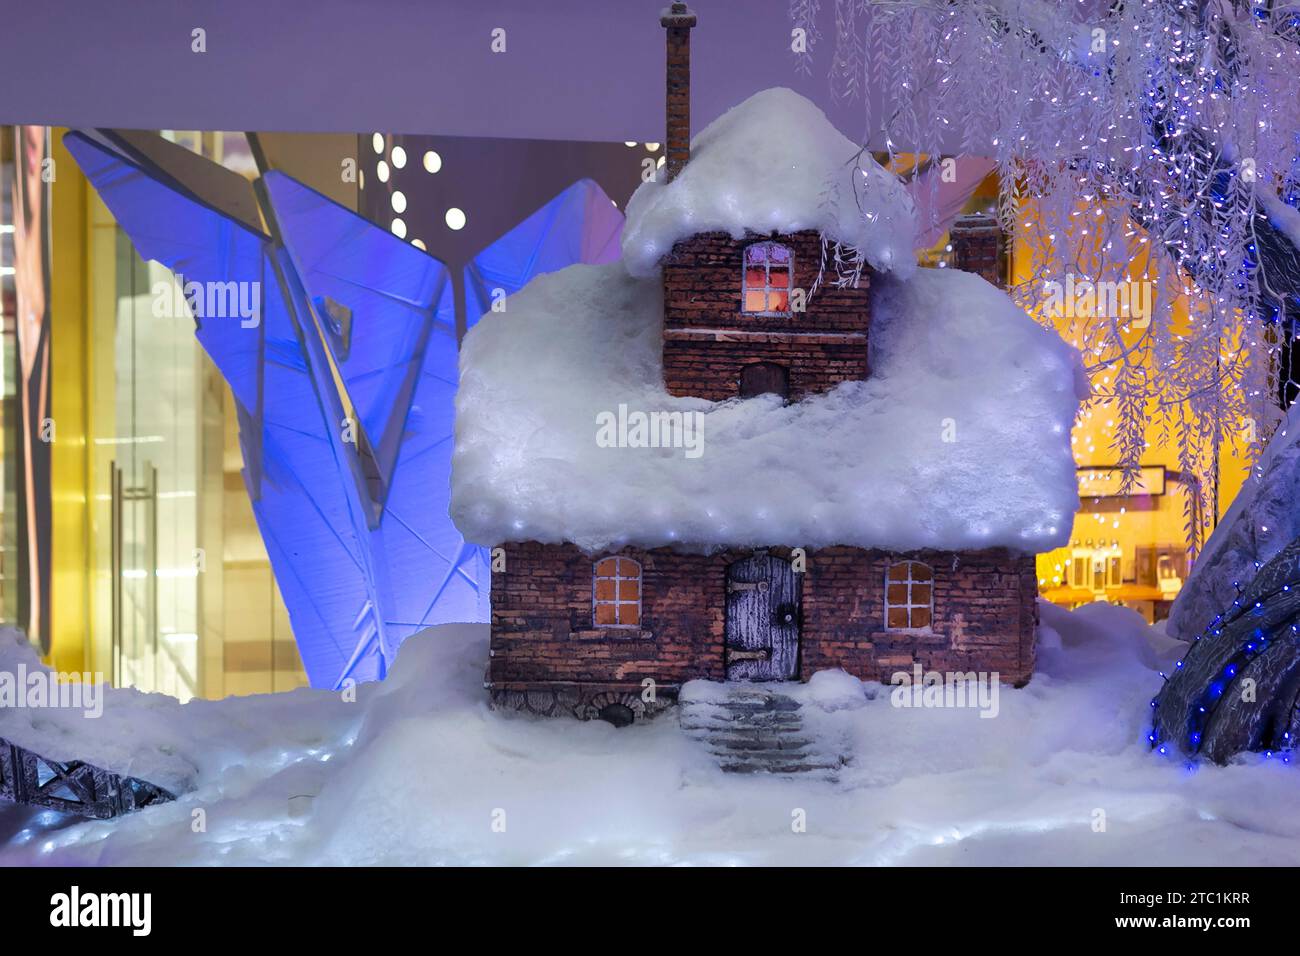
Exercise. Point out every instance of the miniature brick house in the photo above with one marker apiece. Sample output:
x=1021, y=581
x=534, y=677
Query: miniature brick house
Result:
x=585, y=634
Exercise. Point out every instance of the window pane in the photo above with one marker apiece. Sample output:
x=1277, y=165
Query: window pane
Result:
x=898, y=572
x=920, y=594
x=898, y=617
x=755, y=278
x=629, y=614
x=920, y=617
x=755, y=301
x=605, y=589
x=606, y=567
x=628, y=568
x=778, y=300
x=629, y=589
x=921, y=572
x=606, y=614
x=777, y=252
x=898, y=594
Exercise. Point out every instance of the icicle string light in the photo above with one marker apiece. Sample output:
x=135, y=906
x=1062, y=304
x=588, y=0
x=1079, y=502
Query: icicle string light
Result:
x=1150, y=140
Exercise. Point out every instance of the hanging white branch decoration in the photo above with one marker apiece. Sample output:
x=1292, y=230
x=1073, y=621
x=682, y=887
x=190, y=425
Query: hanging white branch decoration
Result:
x=1148, y=141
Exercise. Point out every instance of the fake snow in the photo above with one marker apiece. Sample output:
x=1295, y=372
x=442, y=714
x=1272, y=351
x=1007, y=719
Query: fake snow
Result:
x=419, y=771
x=774, y=163
x=959, y=438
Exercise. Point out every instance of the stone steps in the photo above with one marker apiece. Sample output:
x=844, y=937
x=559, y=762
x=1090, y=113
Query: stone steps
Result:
x=748, y=729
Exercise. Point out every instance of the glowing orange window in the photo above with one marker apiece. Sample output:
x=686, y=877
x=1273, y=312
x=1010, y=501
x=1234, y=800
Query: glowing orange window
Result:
x=768, y=279
x=616, y=593
x=909, y=595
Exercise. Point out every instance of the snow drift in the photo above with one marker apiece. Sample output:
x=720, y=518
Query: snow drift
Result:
x=418, y=770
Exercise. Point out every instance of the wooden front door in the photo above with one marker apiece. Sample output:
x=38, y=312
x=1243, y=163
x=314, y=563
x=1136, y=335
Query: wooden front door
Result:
x=763, y=613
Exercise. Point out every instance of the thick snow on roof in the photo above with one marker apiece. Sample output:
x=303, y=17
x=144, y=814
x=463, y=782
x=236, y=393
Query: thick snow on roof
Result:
x=774, y=163
x=959, y=439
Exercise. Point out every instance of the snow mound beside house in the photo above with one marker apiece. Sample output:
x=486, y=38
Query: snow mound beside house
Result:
x=958, y=440
x=774, y=163
x=420, y=772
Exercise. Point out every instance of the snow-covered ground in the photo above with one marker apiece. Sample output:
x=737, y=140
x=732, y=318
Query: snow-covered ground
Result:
x=419, y=771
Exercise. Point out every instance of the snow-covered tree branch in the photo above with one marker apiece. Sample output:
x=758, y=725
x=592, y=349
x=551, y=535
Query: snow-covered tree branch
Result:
x=1154, y=140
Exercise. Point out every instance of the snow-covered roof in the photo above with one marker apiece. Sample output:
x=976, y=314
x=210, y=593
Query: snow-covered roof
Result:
x=959, y=439
x=774, y=163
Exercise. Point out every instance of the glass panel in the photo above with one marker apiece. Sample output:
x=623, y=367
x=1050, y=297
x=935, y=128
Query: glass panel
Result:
x=606, y=614
x=607, y=567
x=755, y=301
x=898, y=572
x=921, y=572
x=605, y=589
x=920, y=594
x=778, y=300
x=920, y=617
x=898, y=594
x=629, y=589
x=898, y=617
x=629, y=614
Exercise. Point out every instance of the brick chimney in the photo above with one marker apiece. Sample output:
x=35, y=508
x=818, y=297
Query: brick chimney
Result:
x=677, y=20
x=978, y=247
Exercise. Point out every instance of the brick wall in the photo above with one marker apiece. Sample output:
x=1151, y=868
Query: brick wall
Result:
x=542, y=617
x=708, y=340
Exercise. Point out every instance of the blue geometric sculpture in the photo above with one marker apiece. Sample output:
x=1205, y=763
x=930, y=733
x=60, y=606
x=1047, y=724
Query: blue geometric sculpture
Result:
x=347, y=375
x=581, y=224
x=345, y=388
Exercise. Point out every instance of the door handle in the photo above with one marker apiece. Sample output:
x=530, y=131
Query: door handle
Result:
x=738, y=654
x=759, y=586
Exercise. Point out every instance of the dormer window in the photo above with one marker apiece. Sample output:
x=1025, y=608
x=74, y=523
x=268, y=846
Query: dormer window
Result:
x=768, y=279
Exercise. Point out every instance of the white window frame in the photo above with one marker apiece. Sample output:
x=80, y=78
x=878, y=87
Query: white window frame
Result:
x=910, y=605
x=617, y=578
x=768, y=288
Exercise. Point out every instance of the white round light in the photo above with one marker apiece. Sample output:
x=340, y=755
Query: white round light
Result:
x=382, y=171
x=651, y=147
x=455, y=218
x=361, y=179
x=432, y=162
x=419, y=244
x=399, y=228
x=399, y=201
x=629, y=145
x=377, y=143
x=399, y=157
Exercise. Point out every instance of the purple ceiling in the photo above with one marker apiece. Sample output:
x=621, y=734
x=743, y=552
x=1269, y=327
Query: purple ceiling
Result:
x=572, y=70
